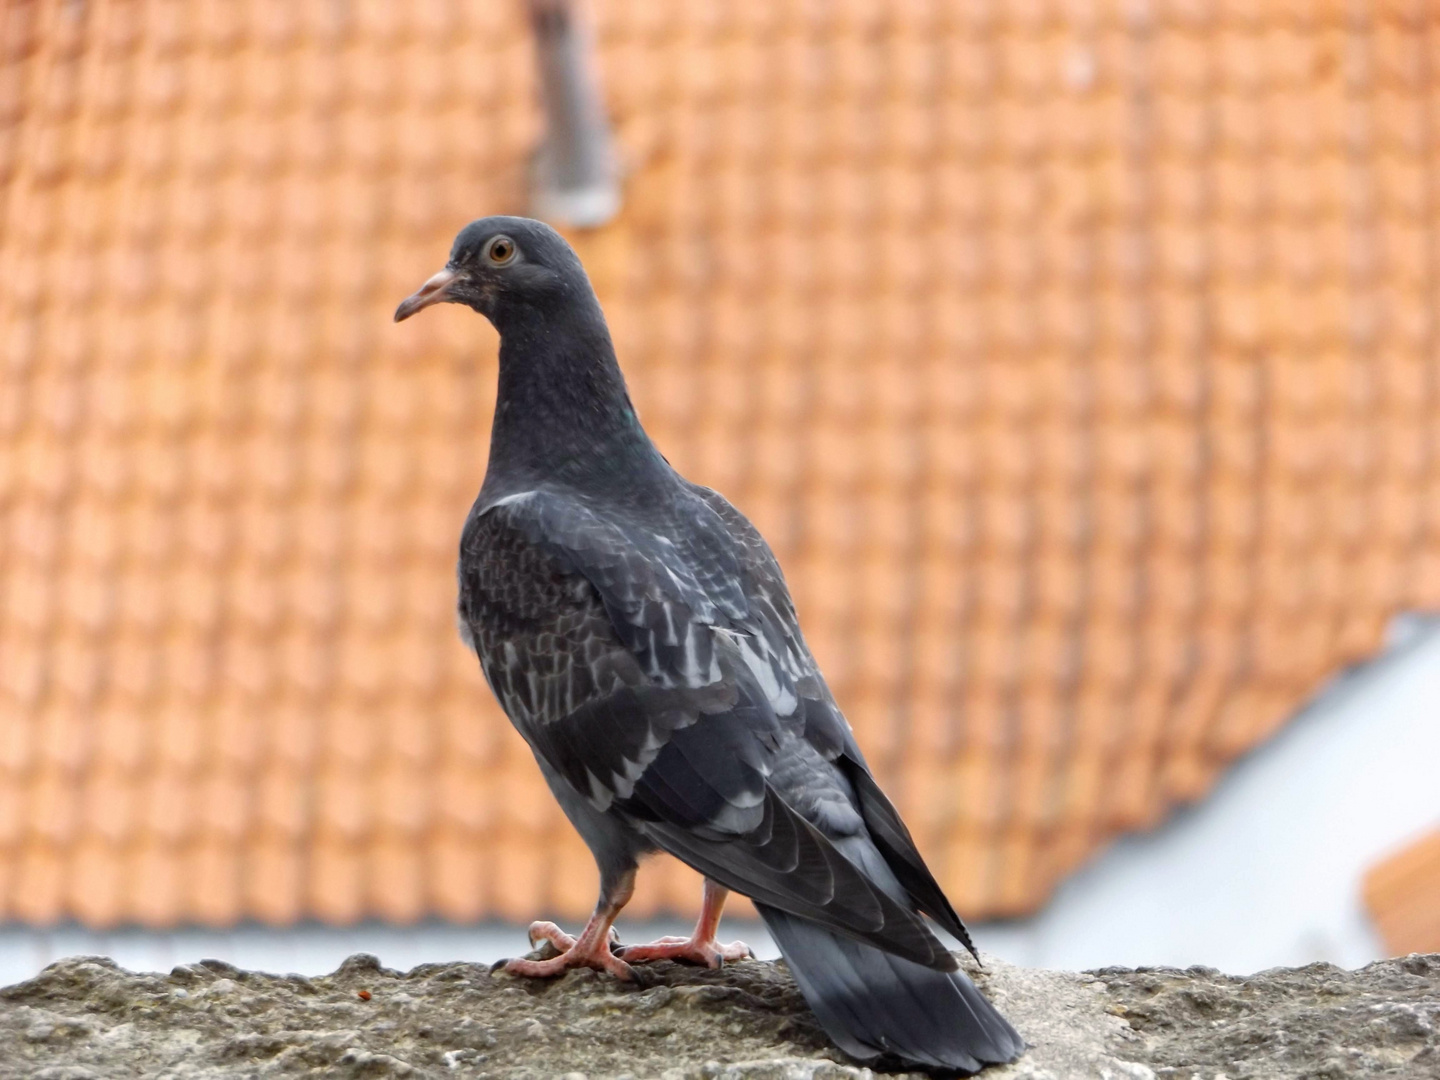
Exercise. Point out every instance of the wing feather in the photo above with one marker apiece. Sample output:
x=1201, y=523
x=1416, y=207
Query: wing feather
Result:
x=661, y=671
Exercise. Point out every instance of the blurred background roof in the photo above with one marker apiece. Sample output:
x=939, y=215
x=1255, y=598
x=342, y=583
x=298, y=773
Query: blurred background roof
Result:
x=1077, y=360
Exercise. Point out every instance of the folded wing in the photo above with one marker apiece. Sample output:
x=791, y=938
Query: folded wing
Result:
x=660, y=670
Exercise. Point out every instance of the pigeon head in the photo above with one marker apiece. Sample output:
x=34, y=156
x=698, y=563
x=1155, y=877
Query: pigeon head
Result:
x=499, y=265
x=562, y=412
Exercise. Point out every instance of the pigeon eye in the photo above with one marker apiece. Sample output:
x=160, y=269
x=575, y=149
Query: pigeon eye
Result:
x=500, y=250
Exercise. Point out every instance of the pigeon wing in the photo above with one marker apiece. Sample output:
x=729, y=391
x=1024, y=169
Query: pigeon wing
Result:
x=631, y=661
x=824, y=725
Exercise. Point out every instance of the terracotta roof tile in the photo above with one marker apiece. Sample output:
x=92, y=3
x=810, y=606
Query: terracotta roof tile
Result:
x=35, y=881
x=397, y=887
x=516, y=873
x=271, y=881
x=335, y=881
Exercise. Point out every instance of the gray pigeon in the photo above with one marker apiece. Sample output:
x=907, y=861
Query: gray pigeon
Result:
x=638, y=632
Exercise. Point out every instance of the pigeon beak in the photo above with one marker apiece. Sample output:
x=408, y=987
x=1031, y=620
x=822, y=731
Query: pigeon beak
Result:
x=434, y=291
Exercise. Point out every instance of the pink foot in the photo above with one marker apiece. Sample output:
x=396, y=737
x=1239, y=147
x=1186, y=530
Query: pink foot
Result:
x=707, y=953
x=582, y=952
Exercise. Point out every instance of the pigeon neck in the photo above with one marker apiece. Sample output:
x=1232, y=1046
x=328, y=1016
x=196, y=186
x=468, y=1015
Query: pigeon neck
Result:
x=562, y=413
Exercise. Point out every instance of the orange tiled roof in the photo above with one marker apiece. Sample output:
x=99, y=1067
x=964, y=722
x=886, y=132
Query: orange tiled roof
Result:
x=1402, y=893
x=1078, y=362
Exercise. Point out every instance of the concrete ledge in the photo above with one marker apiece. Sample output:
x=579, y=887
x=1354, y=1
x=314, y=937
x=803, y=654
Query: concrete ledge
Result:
x=85, y=1018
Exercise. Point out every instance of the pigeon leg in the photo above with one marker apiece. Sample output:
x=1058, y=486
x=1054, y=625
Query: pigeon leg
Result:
x=592, y=948
x=700, y=947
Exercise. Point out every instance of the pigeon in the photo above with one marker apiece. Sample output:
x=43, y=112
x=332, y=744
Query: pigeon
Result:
x=639, y=634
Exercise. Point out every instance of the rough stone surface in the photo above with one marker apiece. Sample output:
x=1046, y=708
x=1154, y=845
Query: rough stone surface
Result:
x=85, y=1018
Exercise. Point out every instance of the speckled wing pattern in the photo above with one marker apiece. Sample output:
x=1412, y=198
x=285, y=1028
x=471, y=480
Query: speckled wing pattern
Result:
x=654, y=659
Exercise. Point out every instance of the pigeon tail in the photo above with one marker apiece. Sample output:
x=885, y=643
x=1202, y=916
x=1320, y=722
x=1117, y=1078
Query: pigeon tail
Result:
x=874, y=1004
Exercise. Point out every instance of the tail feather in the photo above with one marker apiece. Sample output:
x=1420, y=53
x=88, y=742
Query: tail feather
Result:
x=873, y=1003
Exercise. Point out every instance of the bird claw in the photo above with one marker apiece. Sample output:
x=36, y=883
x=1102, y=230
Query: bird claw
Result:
x=601, y=959
x=568, y=952
x=707, y=953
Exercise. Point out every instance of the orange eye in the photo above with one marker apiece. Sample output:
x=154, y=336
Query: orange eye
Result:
x=500, y=250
